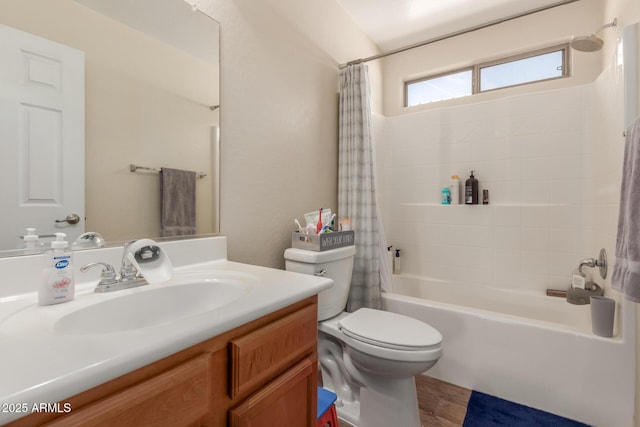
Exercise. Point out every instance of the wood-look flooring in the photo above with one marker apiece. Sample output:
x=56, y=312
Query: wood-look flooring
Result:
x=441, y=404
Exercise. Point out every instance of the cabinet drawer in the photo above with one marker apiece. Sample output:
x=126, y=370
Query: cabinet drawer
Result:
x=262, y=355
x=290, y=401
x=177, y=397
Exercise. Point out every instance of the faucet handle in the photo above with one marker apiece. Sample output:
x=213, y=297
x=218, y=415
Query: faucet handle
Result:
x=108, y=274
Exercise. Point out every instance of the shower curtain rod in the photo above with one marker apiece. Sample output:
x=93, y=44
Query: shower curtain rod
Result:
x=457, y=33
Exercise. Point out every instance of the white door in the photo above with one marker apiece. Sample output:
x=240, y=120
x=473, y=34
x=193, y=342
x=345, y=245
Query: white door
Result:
x=41, y=135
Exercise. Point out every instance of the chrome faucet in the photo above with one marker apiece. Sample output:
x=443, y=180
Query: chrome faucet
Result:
x=600, y=262
x=129, y=276
x=128, y=271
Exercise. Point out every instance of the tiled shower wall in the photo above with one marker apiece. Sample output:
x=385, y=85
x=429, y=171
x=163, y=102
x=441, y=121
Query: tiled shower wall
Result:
x=532, y=152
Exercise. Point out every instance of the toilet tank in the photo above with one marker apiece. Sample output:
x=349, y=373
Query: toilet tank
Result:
x=336, y=264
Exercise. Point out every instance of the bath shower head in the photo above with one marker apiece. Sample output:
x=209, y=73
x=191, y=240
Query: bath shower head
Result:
x=591, y=43
x=587, y=43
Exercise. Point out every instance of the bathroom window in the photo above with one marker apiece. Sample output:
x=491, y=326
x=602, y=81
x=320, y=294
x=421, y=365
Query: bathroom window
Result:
x=531, y=67
x=439, y=88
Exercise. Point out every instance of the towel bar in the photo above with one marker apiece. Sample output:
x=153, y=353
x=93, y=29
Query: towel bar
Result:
x=134, y=168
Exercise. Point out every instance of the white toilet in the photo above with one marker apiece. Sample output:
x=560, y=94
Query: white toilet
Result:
x=369, y=357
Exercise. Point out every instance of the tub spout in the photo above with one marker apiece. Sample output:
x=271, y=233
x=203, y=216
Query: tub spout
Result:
x=588, y=262
x=600, y=262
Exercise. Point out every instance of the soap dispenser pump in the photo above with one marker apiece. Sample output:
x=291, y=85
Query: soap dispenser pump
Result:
x=57, y=284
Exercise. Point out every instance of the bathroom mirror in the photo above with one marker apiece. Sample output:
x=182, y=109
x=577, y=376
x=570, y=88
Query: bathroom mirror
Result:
x=151, y=98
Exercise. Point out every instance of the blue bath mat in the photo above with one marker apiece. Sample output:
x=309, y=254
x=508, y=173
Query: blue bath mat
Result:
x=484, y=410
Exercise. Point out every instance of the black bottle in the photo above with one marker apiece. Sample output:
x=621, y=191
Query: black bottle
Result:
x=471, y=191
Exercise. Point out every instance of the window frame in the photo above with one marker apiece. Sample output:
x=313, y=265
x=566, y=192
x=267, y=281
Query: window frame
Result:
x=436, y=76
x=476, y=68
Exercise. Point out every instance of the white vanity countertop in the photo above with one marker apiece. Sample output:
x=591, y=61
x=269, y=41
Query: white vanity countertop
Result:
x=41, y=365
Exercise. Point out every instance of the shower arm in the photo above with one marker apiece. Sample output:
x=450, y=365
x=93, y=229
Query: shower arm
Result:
x=613, y=24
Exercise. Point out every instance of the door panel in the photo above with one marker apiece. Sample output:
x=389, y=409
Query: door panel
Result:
x=42, y=136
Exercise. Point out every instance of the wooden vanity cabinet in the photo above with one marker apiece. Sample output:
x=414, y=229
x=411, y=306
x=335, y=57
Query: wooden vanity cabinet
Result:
x=263, y=373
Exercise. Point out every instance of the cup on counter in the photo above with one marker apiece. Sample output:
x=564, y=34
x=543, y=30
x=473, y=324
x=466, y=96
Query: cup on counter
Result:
x=345, y=224
x=602, y=315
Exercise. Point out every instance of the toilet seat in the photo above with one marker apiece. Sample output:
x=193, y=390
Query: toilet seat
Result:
x=377, y=343
x=390, y=330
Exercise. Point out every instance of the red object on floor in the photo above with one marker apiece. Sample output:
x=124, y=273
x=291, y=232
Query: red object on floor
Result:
x=327, y=416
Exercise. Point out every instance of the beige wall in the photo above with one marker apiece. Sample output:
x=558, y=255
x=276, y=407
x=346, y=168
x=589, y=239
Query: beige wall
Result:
x=279, y=114
x=139, y=108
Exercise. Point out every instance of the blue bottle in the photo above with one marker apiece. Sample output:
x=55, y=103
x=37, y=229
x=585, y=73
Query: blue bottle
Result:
x=446, y=196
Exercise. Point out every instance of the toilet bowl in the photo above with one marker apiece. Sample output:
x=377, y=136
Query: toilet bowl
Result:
x=369, y=358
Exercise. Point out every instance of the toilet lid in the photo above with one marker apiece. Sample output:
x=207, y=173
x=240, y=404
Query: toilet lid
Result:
x=390, y=330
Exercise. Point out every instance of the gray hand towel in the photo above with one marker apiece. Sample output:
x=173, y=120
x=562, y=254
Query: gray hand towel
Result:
x=177, y=202
x=626, y=272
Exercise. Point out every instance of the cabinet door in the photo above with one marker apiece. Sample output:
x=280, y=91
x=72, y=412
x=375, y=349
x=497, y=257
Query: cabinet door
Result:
x=260, y=356
x=177, y=397
x=290, y=401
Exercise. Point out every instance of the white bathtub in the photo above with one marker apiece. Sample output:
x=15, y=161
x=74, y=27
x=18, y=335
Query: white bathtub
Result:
x=532, y=349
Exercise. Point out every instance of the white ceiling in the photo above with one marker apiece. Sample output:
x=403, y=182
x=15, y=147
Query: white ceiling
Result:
x=396, y=23
x=172, y=22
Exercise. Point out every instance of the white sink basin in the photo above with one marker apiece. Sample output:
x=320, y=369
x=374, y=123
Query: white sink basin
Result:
x=188, y=294
x=150, y=308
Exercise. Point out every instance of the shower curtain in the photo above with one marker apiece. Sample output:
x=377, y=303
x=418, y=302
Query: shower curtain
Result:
x=357, y=190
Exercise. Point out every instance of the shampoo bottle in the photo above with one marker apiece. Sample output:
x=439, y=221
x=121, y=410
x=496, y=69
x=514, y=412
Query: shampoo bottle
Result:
x=471, y=190
x=454, y=190
x=57, y=284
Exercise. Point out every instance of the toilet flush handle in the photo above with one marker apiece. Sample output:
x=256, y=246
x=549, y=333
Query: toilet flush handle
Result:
x=321, y=273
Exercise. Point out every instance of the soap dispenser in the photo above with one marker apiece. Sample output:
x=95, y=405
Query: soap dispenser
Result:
x=57, y=284
x=471, y=190
x=30, y=241
x=396, y=263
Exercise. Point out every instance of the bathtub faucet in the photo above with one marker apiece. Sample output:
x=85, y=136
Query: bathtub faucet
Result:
x=600, y=262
